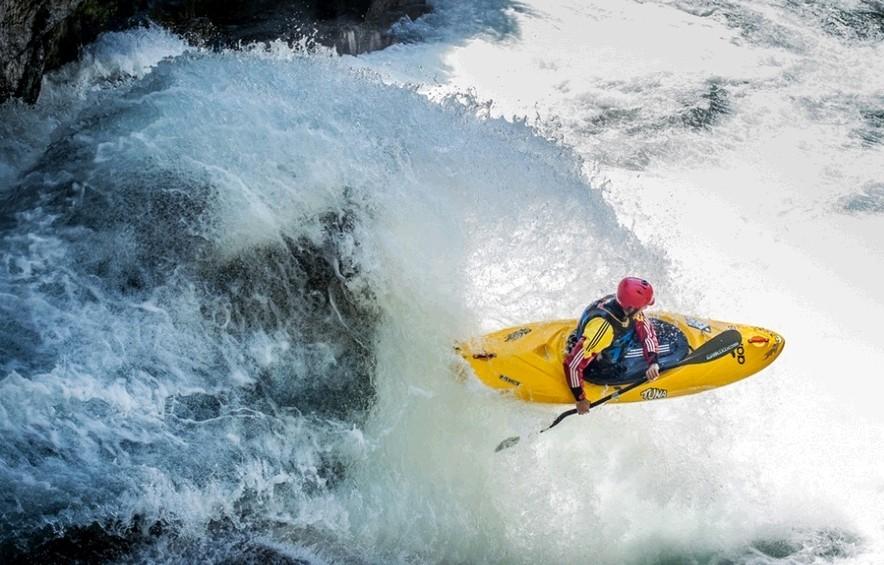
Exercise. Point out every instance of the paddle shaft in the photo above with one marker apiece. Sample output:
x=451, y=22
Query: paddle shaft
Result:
x=598, y=402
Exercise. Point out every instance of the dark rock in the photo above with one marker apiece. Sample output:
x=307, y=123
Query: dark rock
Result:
x=303, y=288
x=38, y=36
x=141, y=541
x=350, y=26
x=93, y=543
x=388, y=12
x=43, y=35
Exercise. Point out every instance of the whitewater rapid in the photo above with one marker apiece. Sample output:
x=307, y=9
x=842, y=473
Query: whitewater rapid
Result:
x=742, y=139
x=231, y=282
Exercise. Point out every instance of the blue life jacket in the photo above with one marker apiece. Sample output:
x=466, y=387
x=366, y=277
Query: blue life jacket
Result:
x=622, y=325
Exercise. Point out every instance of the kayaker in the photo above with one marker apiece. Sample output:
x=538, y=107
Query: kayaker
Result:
x=604, y=332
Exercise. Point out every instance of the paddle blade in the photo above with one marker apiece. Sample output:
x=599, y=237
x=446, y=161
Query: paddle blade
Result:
x=507, y=443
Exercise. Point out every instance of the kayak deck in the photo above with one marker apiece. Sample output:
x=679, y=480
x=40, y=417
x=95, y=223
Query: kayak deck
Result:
x=527, y=360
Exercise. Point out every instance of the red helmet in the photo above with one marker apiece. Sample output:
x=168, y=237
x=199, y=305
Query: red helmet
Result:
x=633, y=292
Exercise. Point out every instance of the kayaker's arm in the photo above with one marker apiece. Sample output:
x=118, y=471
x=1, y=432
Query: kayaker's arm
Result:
x=597, y=335
x=648, y=338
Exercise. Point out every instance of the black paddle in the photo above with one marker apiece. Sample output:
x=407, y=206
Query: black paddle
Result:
x=717, y=347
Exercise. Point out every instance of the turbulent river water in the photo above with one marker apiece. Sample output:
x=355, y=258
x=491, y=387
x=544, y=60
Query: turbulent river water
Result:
x=230, y=282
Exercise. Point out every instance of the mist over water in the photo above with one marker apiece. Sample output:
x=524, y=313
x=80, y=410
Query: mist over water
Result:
x=231, y=281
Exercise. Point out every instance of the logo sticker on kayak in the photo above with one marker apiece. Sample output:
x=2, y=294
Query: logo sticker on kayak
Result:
x=518, y=334
x=739, y=354
x=719, y=352
x=654, y=393
x=698, y=325
x=509, y=380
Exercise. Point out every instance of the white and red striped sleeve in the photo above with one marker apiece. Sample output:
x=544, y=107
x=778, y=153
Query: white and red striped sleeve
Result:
x=597, y=335
x=648, y=337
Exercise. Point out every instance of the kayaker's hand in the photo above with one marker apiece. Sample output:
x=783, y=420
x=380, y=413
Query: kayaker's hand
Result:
x=582, y=406
x=653, y=372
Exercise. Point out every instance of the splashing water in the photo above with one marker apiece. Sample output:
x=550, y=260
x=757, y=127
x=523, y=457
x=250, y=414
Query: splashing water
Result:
x=230, y=283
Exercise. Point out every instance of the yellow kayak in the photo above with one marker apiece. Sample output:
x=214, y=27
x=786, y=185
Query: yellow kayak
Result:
x=527, y=360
